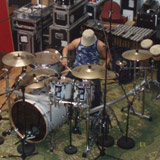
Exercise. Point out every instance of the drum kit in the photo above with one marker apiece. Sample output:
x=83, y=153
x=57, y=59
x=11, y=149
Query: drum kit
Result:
x=46, y=106
x=43, y=109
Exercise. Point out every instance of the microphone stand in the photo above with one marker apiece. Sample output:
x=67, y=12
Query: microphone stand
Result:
x=25, y=148
x=70, y=149
x=105, y=140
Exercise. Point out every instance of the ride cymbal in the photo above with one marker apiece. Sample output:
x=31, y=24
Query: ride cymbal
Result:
x=90, y=71
x=18, y=59
x=47, y=57
x=135, y=55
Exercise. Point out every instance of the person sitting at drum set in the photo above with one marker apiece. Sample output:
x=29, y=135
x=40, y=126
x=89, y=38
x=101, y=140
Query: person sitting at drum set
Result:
x=89, y=50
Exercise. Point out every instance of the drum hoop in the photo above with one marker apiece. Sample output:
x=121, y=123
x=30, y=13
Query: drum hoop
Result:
x=44, y=118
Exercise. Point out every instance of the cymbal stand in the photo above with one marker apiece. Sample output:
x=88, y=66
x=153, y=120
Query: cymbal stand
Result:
x=141, y=115
x=87, y=120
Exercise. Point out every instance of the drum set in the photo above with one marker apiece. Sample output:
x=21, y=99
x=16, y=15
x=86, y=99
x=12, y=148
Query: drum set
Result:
x=45, y=95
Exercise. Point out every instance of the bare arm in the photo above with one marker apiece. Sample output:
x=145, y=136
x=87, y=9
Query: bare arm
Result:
x=73, y=45
x=103, y=52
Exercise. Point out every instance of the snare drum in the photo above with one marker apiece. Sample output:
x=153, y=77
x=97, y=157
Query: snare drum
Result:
x=80, y=91
x=62, y=89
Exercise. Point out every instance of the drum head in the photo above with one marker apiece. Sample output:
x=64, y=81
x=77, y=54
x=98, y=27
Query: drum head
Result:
x=25, y=117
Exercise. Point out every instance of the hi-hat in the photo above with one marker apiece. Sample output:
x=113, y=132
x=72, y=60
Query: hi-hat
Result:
x=38, y=78
x=135, y=55
x=18, y=59
x=47, y=57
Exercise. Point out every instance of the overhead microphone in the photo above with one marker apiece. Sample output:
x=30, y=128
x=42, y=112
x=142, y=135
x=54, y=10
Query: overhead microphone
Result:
x=19, y=80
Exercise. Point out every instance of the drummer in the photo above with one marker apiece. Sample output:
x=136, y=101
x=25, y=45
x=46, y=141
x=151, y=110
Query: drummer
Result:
x=89, y=50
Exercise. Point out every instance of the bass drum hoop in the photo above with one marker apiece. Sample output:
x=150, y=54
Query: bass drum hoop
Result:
x=43, y=119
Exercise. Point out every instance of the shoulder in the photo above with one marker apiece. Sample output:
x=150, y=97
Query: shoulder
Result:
x=101, y=45
x=76, y=42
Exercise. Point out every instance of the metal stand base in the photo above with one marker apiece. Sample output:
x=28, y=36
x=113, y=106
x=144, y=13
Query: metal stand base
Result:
x=105, y=141
x=126, y=142
x=70, y=149
x=138, y=114
x=1, y=140
x=28, y=148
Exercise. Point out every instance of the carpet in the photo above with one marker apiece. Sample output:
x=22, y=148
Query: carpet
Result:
x=145, y=133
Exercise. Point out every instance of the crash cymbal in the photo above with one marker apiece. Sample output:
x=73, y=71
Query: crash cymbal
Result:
x=135, y=55
x=38, y=78
x=121, y=63
x=90, y=71
x=18, y=59
x=47, y=57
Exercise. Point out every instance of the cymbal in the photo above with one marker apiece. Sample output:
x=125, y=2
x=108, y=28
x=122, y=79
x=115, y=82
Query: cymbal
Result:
x=18, y=59
x=49, y=56
x=38, y=78
x=135, y=55
x=90, y=71
x=121, y=63
x=110, y=75
x=65, y=80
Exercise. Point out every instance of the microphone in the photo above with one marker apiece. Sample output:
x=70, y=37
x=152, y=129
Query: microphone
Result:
x=19, y=80
x=4, y=69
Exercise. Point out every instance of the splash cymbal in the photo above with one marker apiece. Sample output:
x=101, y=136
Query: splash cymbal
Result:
x=121, y=63
x=47, y=57
x=135, y=55
x=18, y=59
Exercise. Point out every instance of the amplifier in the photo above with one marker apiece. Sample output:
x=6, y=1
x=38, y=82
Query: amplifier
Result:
x=61, y=36
x=67, y=15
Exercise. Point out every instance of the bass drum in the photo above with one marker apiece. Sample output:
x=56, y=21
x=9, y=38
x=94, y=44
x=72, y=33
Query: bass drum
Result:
x=36, y=119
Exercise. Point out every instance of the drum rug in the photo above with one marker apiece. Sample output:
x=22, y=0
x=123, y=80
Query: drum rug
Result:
x=144, y=132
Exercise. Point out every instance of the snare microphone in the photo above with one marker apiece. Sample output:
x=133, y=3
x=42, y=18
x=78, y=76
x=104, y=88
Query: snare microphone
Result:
x=19, y=80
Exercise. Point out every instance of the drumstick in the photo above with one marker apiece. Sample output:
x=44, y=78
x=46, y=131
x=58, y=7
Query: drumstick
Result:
x=68, y=68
